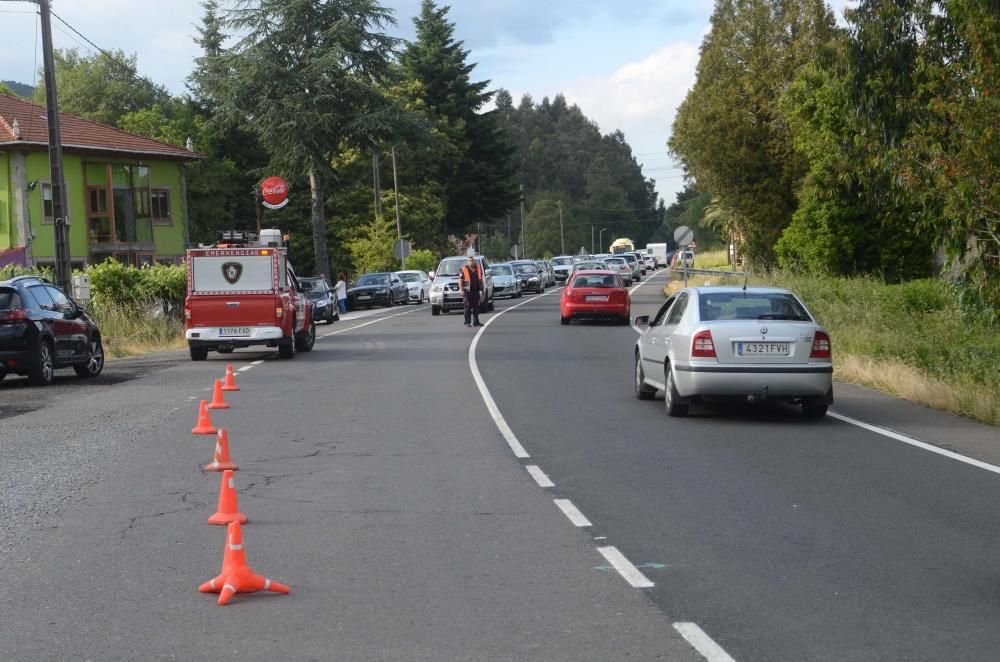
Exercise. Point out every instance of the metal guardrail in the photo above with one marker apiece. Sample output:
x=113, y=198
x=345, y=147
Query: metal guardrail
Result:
x=707, y=272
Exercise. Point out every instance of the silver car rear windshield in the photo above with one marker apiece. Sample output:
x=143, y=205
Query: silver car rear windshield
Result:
x=501, y=270
x=750, y=306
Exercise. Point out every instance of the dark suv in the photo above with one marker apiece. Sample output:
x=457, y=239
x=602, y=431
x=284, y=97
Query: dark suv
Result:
x=42, y=329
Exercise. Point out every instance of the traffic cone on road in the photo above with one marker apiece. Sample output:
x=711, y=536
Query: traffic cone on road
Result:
x=220, y=461
x=204, y=425
x=218, y=400
x=228, y=510
x=236, y=575
x=230, y=383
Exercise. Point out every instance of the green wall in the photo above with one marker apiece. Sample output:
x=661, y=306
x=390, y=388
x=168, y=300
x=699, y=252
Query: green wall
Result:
x=6, y=203
x=169, y=240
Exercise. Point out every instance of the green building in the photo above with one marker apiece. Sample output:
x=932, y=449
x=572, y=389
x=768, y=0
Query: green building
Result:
x=127, y=194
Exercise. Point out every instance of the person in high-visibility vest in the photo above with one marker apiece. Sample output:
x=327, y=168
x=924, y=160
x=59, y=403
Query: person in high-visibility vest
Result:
x=473, y=284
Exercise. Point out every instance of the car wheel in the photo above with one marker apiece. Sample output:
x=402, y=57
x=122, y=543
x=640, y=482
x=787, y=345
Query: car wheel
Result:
x=95, y=360
x=563, y=320
x=286, y=349
x=813, y=410
x=493, y=304
x=642, y=390
x=43, y=369
x=435, y=310
x=304, y=340
x=671, y=398
x=198, y=353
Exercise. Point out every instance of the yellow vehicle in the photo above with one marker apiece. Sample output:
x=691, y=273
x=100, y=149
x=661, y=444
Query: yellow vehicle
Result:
x=623, y=245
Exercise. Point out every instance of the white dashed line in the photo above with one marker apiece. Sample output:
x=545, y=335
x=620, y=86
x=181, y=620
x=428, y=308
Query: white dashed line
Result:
x=539, y=476
x=702, y=643
x=573, y=513
x=631, y=322
x=258, y=362
x=358, y=326
x=245, y=368
x=625, y=568
x=914, y=442
x=491, y=405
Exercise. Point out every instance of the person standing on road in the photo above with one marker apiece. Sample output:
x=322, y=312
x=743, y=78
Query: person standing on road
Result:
x=341, y=289
x=472, y=282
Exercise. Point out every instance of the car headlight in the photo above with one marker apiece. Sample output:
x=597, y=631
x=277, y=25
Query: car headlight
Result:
x=436, y=289
x=321, y=304
x=532, y=280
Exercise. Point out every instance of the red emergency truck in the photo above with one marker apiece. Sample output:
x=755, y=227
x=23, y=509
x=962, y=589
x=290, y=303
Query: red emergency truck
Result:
x=243, y=296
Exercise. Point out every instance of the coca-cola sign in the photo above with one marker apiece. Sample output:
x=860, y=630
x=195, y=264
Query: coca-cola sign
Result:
x=274, y=190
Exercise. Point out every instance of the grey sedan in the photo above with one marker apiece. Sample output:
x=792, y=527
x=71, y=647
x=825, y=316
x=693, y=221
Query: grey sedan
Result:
x=752, y=344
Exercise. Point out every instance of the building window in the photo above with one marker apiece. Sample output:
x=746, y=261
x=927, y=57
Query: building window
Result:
x=48, y=216
x=160, y=200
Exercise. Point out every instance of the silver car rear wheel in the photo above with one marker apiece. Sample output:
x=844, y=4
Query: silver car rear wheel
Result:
x=671, y=398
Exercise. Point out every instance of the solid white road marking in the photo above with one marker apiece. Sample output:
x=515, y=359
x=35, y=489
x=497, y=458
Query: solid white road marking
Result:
x=244, y=368
x=631, y=321
x=539, y=476
x=625, y=568
x=257, y=362
x=914, y=442
x=491, y=405
x=702, y=643
x=572, y=512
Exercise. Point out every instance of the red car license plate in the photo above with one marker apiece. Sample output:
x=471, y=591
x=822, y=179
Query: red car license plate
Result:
x=595, y=297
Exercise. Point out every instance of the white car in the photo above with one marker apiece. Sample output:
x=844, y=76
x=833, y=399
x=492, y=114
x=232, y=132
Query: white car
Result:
x=751, y=344
x=418, y=285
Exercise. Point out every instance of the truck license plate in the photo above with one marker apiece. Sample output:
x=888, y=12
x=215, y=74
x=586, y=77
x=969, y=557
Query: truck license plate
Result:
x=234, y=331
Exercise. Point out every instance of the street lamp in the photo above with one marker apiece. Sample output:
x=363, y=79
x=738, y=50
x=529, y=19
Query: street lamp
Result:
x=600, y=239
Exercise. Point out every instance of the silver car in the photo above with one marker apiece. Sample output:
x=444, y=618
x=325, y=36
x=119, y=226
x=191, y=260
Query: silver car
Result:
x=622, y=266
x=753, y=344
x=418, y=285
x=505, y=283
x=563, y=265
x=446, y=294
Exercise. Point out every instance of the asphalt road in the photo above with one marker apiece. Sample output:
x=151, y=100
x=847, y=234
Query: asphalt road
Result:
x=379, y=487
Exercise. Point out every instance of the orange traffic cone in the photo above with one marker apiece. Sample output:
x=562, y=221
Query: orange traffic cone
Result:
x=230, y=383
x=220, y=461
x=229, y=510
x=218, y=401
x=236, y=575
x=204, y=420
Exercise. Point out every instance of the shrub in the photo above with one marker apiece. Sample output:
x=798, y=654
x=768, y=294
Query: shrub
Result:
x=422, y=259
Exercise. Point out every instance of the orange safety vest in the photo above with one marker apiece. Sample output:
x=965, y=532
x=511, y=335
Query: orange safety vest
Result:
x=467, y=277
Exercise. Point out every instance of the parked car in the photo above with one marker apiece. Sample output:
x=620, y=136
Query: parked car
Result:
x=323, y=298
x=379, y=289
x=643, y=267
x=591, y=265
x=548, y=275
x=563, y=266
x=445, y=292
x=595, y=294
x=42, y=330
x=620, y=266
x=683, y=259
x=529, y=275
x=418, y=285
x=505, y=283
x=750, y=344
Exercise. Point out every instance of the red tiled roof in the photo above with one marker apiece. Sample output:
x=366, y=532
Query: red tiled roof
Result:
x=77, y=133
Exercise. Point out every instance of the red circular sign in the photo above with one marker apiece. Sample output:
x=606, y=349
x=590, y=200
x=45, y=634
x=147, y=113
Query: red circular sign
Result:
x=274, y=190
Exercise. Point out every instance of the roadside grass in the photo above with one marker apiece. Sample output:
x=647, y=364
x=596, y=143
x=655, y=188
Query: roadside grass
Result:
x=906, y=339
x=129, y=331
x=712, y=259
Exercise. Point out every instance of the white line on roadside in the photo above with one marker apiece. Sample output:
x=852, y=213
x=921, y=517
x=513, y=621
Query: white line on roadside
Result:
x=914, y=442
x=358, y=326
x=702, y=643
x=258, y=362
x=491, y=405
x=631, y=322
x=245, y=368
x=625, y=568
x=572, y=512
x=539, y=476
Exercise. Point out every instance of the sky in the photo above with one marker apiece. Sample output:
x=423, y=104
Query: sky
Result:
x=627, y=63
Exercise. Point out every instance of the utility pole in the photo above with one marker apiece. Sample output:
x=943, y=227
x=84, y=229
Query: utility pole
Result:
x=60, y=207
x=592, y=239
x=257, y=205
x=524, y=232
x=562, y=240
x=376, y=184
x=395, y=185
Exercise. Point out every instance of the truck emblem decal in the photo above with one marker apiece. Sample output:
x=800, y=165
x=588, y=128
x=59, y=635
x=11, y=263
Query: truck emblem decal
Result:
x=232, y=271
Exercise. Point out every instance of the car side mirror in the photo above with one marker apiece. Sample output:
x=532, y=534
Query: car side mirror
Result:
x=642, y=320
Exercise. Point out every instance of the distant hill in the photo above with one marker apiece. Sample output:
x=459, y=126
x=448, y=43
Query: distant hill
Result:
x=20, y=89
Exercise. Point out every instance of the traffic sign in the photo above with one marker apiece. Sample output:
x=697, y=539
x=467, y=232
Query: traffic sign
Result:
x=402, y=249
x=683, y=235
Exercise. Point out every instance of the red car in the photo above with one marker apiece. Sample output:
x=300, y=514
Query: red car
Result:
x=595, y=295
